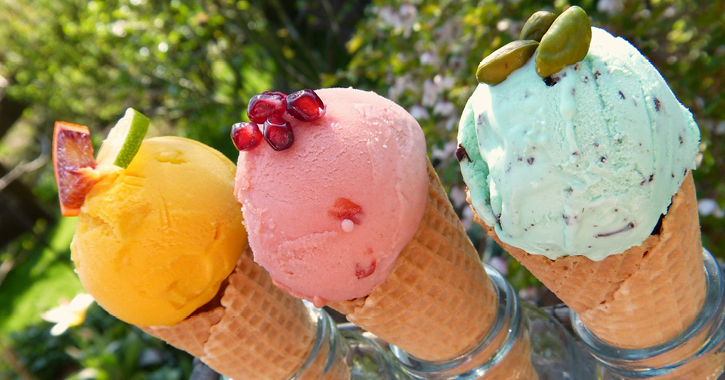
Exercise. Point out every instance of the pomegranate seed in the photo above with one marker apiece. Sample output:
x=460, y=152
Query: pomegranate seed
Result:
x=278, y=132
x=346, y=209
x=305, y=105
x=266, y=104
x=246, y=136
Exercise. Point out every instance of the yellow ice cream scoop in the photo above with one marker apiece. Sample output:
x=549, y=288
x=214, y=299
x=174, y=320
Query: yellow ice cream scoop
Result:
x=155, y=241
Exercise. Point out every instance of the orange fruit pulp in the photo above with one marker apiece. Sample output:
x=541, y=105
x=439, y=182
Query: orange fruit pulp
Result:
x=73, y=165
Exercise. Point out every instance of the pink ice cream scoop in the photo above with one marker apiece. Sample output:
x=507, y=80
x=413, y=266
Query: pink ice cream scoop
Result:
x=328, y=217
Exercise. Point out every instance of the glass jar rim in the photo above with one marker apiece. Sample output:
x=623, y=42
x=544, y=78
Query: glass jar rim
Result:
x=710, y=317
x=508, y=320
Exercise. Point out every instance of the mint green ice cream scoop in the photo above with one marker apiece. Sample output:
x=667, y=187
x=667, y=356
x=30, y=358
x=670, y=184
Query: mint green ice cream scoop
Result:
x=580, y=163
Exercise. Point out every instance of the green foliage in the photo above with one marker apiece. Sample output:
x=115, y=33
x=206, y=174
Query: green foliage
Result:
x=44, y=361
x=192, y=65
x=102, y=348
x=189, y=65
x=36, y=283
x=423, y=55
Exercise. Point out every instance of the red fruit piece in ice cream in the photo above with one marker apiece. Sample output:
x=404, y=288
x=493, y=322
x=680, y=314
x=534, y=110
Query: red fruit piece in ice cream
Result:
x=346, y=209
x=365, y=271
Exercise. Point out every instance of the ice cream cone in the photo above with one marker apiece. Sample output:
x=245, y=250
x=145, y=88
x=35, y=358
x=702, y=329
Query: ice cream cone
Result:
x=638, y=298
x=256, y=331
x=706, y=367
x=437, y=302
x=516, y=365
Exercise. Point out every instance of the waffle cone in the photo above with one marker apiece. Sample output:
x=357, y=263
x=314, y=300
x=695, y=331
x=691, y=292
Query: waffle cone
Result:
x=706, y=367
x=641, y=297
x=437, y=302
x=257, y=331
x=516, y=365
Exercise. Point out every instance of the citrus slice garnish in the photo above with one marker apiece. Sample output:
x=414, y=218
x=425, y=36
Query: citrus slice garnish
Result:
x=124, y=140
x=73, y=165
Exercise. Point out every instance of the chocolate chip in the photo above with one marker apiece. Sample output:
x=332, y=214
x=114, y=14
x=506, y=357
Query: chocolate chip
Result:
x=657, y=105
x=461, y=154
x=550, y=81
x=621, y=95
x=530, y=160
x=625, y=228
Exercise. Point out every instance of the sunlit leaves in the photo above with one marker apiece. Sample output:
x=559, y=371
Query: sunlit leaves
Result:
x=426, y=69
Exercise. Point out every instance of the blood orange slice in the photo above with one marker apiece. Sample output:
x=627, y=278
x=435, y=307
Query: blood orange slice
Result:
x=73, y=165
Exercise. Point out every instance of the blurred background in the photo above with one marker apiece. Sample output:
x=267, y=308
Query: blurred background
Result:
x=191, y=66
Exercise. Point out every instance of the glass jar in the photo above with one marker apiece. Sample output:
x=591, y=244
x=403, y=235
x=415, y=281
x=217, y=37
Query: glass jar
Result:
x=370, y=356
x=523, y=343
x=344, y=355
x=696, y=353
x=329, y=356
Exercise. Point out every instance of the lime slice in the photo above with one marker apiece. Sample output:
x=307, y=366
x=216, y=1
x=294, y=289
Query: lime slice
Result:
x=124, y=139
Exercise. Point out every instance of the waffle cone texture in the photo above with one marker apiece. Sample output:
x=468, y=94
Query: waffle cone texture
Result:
x=638, y=298
x=706, y=367
x=437, y=302
x=256, y=332
x=516, y=365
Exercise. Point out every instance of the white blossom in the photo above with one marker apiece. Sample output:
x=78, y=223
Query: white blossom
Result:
x=68, y=314
x=710, y=207
x=499, y=263
x=428, y=58
x=444, y=108
x=467, y=218
x=610, y=6
x=458, y=196
x=419, y=112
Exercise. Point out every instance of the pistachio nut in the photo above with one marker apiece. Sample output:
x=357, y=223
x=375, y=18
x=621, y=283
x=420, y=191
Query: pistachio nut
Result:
x=497, y=66
x=537, y=25
x=565, y=43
